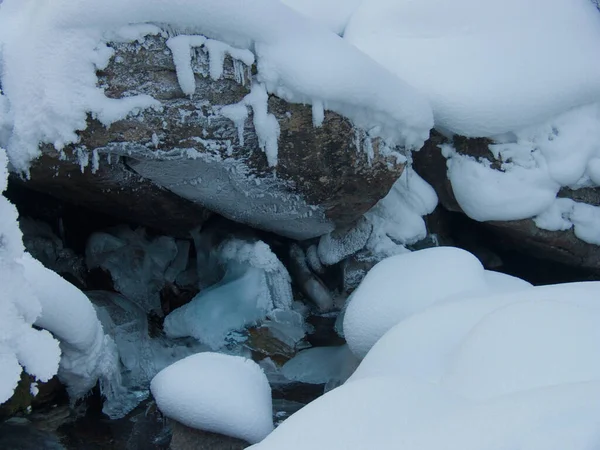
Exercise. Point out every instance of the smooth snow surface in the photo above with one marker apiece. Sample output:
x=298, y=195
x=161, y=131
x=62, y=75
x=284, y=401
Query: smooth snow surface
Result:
x=487, y=67
x=219, y=393
x=88, y=355
x=515, y=370
x=403, y=285
x=334, y=14
x=51, y=52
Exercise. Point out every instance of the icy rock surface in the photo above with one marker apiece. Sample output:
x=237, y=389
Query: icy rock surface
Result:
x=331, y=366
x=255, y=285
x=219, y=393
x=142, y=353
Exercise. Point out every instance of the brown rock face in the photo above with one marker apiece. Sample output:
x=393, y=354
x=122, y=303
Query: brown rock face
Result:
x=522, y=235
x=185, y=438
x=177, y=162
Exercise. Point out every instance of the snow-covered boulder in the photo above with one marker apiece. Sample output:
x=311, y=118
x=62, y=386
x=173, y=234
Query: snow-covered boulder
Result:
x=204, y=148
x=514, y=195
x=406, y=284
x=222, y=394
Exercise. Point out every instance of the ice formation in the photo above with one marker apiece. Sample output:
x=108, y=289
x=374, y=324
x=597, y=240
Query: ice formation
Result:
x=255, y=285
x=219, y=393
x=139, y=266
x=141, y=355
x=50, y=58
x=330, y=366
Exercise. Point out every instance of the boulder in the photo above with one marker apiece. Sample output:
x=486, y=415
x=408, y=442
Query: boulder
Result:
x=186, y=438
x=170, y=166
x=522, y=235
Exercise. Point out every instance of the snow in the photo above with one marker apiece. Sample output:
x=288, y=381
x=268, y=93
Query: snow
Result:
x=399, y=215
x=254, y=285
x=491, y=362
x=401, y=285
x=334, y=247
x=534, y=165
x=510, y=370
x=565, y=214
x=51, y=53
x=333, y=14
x=488, y=68
x=88, y=355
x=223, y=394
x=370, y=413
x=21, y=346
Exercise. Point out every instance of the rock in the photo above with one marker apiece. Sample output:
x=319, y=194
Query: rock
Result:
x=115, y=190
x=178, y=162
x=186, y=438
x=521, y=235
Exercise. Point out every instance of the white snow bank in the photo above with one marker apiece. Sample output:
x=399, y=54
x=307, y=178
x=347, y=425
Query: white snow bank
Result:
x=223, y=394
x=484, y=345
x=334, y=14
x=385, y=412
x=487, y=67
x=516, y=370
x=527, y=345
x=372, y=413
x=51, y=52
x=255, y=285
x=405, y=284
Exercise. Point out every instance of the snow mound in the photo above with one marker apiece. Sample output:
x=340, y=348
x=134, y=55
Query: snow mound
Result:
x=403, y=285
x=488, y=68
x=50, y=54
x=223, y=394
x=516, y=370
